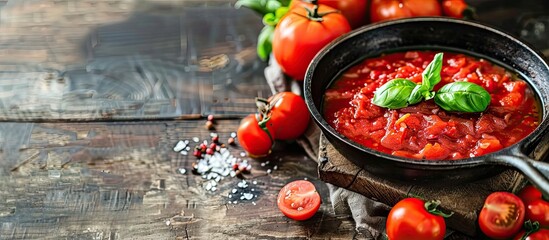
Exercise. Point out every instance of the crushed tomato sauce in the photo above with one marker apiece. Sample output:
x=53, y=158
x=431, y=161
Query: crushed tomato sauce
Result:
x=424, y=130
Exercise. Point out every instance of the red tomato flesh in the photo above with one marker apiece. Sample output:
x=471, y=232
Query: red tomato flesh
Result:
x=424, y=130
x=298, y=200
x=502, y=215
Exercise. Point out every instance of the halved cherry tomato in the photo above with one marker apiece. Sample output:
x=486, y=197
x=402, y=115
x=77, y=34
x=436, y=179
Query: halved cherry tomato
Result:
x=256, y=137
x=381, y=10
x=541, y=234
x=300, y=35
x=298, y=200
x=502, y=215
x=289, y=115
x=409, y=219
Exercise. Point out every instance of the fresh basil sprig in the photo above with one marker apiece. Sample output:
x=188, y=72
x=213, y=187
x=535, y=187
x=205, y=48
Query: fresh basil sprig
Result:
x=457, y=96
x=462, y=97
x=413, y=93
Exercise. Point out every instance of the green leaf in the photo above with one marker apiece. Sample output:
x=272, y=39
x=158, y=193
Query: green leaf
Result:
x=462, y=97
x=280, y=12
x=431, y=74
x=270, y=19
x=285, y=3
x=264, y=42
x=417, y=94
x=258, y=6
x=272, y=5
x=394, y=94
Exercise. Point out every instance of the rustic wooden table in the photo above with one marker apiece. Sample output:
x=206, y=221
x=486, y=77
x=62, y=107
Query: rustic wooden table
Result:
x=95, y=94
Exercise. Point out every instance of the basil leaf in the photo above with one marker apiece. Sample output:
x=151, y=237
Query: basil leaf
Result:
x=462, y=97
x=394, y=94
x=264, y=42
x=431, y=74
x=417, y=94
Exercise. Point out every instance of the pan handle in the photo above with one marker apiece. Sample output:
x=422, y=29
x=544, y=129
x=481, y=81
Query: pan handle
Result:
x=537, y=172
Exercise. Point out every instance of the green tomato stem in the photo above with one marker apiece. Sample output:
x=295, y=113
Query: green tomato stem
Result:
x=263, y=125
x=530, y=227
x=431, y=207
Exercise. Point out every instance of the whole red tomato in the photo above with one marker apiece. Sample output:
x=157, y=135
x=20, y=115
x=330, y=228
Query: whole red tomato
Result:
x=409, y=219
x=529, y=193
x=289, y=115
x=537, y=209
x=353, y=10
x=541, y=234
x=454, y=8
x=382, y=10
x=300, y=35
x=256, y=136
x=502, y=215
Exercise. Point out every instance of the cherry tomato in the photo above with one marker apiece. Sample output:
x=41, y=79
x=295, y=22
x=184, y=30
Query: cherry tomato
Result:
x=529, y=193
x=289, y=115
x=382, y=10
x=299, y=36
x=541, y=234
x=353, y=10
x=502, y=215
x=454, y=8
x=255, y=139
x=538, y=210
x=298, y=200
x=409, y=219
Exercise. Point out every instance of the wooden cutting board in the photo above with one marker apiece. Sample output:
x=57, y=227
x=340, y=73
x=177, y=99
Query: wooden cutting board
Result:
x=465, y=200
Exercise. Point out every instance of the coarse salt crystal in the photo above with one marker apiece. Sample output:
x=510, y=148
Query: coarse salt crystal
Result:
x=248, y=196
x=179, y=146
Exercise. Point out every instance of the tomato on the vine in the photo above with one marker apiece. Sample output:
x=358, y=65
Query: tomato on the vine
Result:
x=382, y=10
x=300, y=35
x=289, y=115
x=454, y=8
x=256, y=135
x=353, y=10
x=412, y=218
x=298, y=200
x=502, y=215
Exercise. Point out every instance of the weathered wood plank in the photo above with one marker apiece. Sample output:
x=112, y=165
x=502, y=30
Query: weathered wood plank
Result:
x=121, y=181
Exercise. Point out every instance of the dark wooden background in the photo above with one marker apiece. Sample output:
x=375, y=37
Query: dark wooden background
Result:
x=94, y=94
